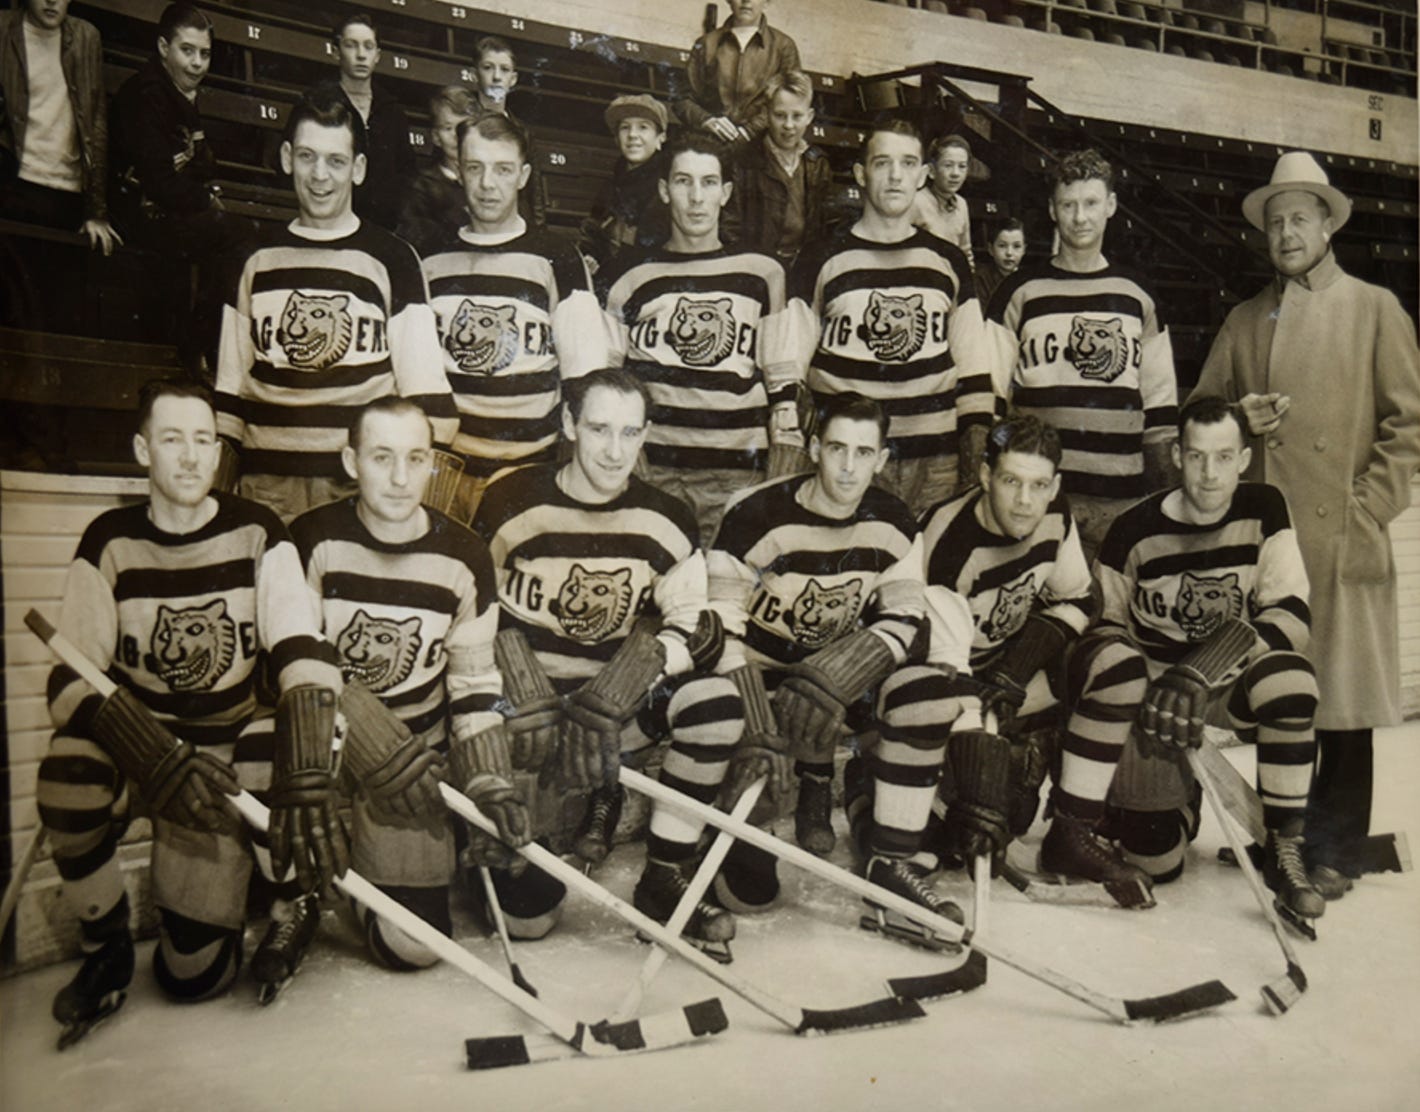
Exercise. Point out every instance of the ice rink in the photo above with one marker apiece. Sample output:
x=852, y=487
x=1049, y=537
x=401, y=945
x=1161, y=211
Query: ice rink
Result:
x=348, y=1035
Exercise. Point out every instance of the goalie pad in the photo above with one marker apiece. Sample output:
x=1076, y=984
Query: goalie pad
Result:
x=976, y=821
x=762, y=751
x=176, y=781
x=536, y=720
x=811, y=703
x=597, y=711
x=305, y=830
x=396, y=770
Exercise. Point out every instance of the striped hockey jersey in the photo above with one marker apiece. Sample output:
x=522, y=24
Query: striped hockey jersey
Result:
x=709, y=335
x=1087, y=354
x=320, y=326
x=413, y=622
x=575, y=577
x=1170, y=584
x=184, y=621
x=1002, y=579
x=515, y=316
x=900, y=323
x=788, y=582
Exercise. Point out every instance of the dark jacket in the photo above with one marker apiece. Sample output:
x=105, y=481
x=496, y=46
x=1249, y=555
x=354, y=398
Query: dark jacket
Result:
x=725, y=81
x=628, y=212
x=160, y=154
x=389, y=158
x=434, y=209
x=761, y=195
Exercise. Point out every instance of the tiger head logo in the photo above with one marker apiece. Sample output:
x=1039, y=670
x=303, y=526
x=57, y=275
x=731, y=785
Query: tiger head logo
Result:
x=894, y=327
x=315, y=331
x=1098, y=349
x=1010, y=610
x=592, y=604
x=1205, y=602
x=821, y=615
x=482, y=339
x=192, y=649
x=702, y=332
x=379, y=652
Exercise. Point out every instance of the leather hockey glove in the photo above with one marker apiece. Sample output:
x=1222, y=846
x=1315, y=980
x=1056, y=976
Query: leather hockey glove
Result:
x=535, y=723
x=590, y=751
x=812, y=702
x=1172, y=715
x=305, y=830
x=976, y=820
x=1039, y=641
x=762, y=751
x=177, y=782
x=481, y=767
x=398, y=773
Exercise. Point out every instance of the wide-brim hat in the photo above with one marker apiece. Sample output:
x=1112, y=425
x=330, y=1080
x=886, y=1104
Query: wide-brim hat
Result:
x=1296, y=171
x=640, y=105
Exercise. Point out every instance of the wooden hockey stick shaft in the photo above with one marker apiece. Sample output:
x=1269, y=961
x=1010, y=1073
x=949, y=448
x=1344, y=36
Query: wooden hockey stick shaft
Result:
x=495, y=912
x=699, y=883
x=1152, y=1009
x=17, y=878
x=1233, y=792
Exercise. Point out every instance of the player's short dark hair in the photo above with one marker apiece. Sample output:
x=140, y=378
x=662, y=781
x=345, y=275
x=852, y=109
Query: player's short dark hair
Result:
x=1209, y=409
x=851, y=406
x=893, y=125
x=1010, y=224
x=390, y=403
x=455, y=99
x=492, y=44
x=942, y=142
x=574, y=393
x=494, y=126
x=698, y=141
x=337, y=30
x=1083, y=165
x=326, y=106
x=175, y=17
x=156, y=388
x=1029, y=435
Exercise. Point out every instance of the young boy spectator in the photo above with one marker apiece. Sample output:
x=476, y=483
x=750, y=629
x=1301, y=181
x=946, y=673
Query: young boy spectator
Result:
x=782, y=190
x=496, y=71
x=1005, y=250
x=435, y=204
x=53, y=121
x=940, y=207
x=630, y=210
x=729, y=71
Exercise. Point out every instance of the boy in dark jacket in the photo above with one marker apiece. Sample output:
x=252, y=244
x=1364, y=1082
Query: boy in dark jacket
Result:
x=630, y=209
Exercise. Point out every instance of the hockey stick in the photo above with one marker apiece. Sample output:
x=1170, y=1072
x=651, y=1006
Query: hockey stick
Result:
x=702, y=880
x=18, y=877
x=803, y=1021
x=495, y=912
x=1153, y=1009
x=595, y=1039
x=1281, y=994
x=1127, y=894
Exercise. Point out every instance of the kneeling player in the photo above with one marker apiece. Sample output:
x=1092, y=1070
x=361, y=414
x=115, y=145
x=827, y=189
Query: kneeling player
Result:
x=604, y=644
x=408, y=599
x=818, y=579
x=178, y=599
x=1012, y=550
x=1205, y=583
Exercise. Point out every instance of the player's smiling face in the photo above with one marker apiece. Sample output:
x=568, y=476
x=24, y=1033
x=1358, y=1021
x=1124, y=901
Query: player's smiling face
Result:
x=1298, y=232
x=178, y=446
x=493, y=172
x=1080, y=211
x=848, y=455
x=325, y=170
x=638, y=139
x=606, y=441
x=696, y=191
x=392, y=465
x=891, y=173
x=359, y=51
x=1212, y=459
x=186, y=57
x=1018, y=491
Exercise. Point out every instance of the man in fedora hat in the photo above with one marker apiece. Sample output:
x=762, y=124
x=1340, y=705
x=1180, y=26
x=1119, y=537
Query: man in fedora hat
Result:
x=1344, y=461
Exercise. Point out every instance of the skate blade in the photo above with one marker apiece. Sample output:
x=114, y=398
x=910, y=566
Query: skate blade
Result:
x=1300, y=924
x=77, y=1029
x=715, y=951
x=267, y=991
x=912, y=935
x=1054, y=888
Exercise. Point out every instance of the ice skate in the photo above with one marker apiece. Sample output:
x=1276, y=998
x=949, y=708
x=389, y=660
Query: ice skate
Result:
x=1072, y=850
x=907, y=880
x=280, y=953
x=97, y=990
x=1298, y=901
x=813, y=825
x=593, y=840
x=660, y=889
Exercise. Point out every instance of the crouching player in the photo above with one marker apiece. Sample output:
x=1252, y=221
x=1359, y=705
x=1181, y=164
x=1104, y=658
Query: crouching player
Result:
x=407, y=597
x=181, y=599
x=1012, y=550
x=1206, y=586
x=818, y=579
x=605, y=644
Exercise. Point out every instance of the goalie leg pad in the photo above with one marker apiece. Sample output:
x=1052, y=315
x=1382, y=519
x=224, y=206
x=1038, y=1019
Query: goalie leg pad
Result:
x=195, y=960
x=399, y=856
x=200, y=875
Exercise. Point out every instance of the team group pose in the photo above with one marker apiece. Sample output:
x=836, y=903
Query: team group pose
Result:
x=751, y=498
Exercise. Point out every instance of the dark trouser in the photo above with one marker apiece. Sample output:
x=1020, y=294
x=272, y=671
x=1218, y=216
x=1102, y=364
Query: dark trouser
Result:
x=1339, y=811
x=29, y=203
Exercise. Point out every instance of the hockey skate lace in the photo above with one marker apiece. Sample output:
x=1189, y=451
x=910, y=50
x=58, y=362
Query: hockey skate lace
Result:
x=910, y=879
x=284, y=934
x=1289, y=862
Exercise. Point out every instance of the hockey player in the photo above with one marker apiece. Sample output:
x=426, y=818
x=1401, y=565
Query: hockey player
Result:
x=515, y=311
x=705, y=327
x=329, y=315
x=1207, y=585
x=407, y=598
x=898, y=321
x=818, y=580
x=181, y=599
x=1011, y=549
x=605, y=645
x=1077, y=342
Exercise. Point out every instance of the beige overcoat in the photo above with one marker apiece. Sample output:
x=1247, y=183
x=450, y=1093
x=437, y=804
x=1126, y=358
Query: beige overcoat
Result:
x=1344, y=351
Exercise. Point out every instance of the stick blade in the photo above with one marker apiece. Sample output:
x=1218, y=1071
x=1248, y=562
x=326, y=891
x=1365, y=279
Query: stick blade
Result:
x=1178, y=1005
x=665, y=1029
x=1282, y=994
x=969, y=975
x=1131, y=895
x=875, y=1013
x=500, y=1051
